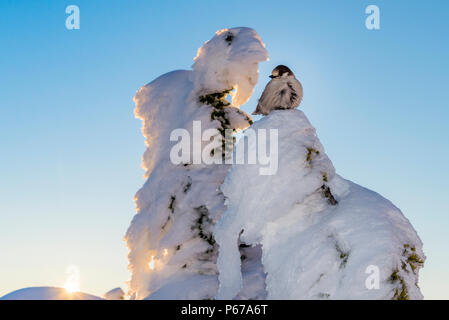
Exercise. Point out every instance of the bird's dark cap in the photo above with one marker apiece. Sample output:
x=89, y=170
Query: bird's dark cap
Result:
x=280, y=70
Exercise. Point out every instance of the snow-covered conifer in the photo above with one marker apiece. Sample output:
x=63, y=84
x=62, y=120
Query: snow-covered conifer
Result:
x=322, y=237
x=172, y=250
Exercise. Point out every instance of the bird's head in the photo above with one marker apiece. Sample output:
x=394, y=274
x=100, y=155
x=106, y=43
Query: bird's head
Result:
x=281, y=71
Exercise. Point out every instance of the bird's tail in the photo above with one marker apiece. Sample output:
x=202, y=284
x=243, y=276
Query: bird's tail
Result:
x=257, y=111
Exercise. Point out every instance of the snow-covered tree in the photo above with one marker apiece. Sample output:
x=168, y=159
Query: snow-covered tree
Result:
x=322, y=237
x=172, y=251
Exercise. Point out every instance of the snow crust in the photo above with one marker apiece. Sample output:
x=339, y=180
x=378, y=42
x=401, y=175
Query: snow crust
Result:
x=230, y=60
x=47, y=293
x=115, y=294
x=313, y=247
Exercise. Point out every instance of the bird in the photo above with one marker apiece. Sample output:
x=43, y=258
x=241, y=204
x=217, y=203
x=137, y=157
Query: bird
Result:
x=284, y=91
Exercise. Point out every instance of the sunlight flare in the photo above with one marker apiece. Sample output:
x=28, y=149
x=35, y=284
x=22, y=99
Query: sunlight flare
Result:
x=73, y=280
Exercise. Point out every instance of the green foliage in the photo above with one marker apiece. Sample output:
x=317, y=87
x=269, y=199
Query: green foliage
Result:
x=216, y=99
x=324, y=174
x=344, y=256
x=171, y=206
x=394, y=276
x=202, y=223
x=401, y=292
x=166, y=222
x=204, y=226
x=188, y=185
x=413, y=260
x=323, y=295
x=328, y=194
x=404, y=266
x=310, y=154
x=218, y=102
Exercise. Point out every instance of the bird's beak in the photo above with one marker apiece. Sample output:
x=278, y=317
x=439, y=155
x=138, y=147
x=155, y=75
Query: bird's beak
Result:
x=271, y=76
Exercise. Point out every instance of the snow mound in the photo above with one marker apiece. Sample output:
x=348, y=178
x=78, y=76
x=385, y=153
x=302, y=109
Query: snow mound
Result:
x=170, y=238
x=115, y=294
x=47, y=293
x=230, y=60
x=322, y=237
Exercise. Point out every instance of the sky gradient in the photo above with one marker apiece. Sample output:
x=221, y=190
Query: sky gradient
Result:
x=71, y=147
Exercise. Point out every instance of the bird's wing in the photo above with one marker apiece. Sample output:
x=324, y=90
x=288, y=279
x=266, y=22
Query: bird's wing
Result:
x=296, y=93
x=271, y=97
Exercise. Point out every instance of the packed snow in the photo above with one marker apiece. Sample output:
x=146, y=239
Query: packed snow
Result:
x=321, y=235
x=47, y=293
x=230, y=60
x=170, y=240
x=115, y=294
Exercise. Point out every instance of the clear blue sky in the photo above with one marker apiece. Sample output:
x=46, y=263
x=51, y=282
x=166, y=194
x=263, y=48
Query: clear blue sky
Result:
x=71, y=148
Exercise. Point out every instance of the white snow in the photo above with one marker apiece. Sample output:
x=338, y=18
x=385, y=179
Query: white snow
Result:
x=47, y=293
x=170, y=238
x=311, y=248
x=230, y=60
x=115, y=294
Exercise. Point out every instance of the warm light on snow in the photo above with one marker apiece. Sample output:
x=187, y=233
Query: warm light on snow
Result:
x=151, y=264
x=221, y=31
x=165, y=252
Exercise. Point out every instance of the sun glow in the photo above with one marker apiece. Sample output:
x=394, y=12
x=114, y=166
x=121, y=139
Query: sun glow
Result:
x=71, y=287
x=73, y=280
